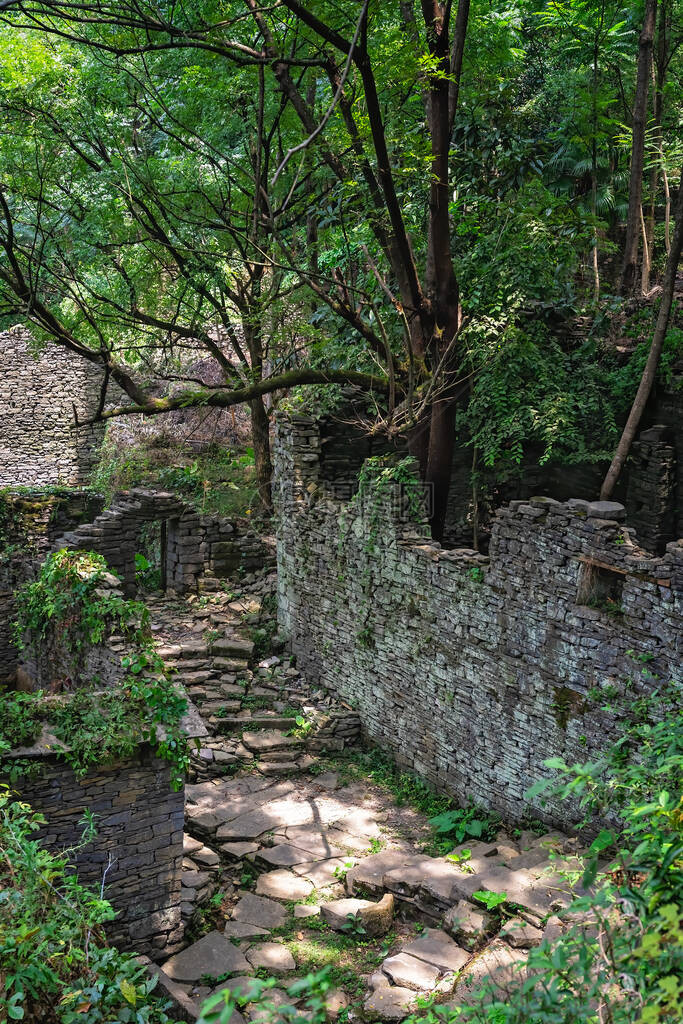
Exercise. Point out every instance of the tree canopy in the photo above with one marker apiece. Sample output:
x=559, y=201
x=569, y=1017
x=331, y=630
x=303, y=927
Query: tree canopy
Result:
x=411, y=199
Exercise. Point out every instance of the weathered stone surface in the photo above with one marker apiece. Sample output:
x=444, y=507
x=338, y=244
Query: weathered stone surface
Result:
x=521, y=935
x=268, y=740
x=439, y=949
x=304, y=910
x=247, y=826
x=243, y=930
x=467, y=924
x=410, y=972
x=520, y=642
x=259, y=911
x=213, y=955
x=369, y=873
x=540, y=895
x=336, y=1001
x=275, y=957
x=236, y=851
x=283, y=885
x=321, y=873
x=376, y=918
x=390, y=1003
x=496, y=968
x=283, y=855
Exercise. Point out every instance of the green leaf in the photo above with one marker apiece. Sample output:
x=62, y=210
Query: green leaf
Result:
x=128, y=991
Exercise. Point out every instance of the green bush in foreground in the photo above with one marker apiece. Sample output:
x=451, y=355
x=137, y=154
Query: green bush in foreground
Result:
x=55, y=967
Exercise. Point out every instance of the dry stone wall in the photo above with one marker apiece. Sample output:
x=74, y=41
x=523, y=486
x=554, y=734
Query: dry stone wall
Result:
x=473, y=670
x=38, y=392
x=138, y=849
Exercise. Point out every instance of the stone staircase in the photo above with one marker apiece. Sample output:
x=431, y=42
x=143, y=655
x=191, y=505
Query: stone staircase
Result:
x=262, y=718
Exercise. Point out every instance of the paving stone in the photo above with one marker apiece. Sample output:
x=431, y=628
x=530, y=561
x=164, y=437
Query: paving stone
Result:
x=212, y=955
x=410, y=972
x=391, y=1003
x=521, y=935
x=369, y=873
x=304, y=910
x=359, y=822
x=376, y=918
x=317, y=843
x=236, y=851
x=283, y=885
x=240, y=986
x=467, y=924
x=439, y=949
x=206, y=857
x=540, y=895
x=266, y=1011
x=247, y=826
x=191, y=845
x=267, y=740
x=259, y=911
x=275, y=957
x=322, y=872
x=243, y=930
x=195, y=879
x=496, y=968
x=336, y=1001
x=283, y=855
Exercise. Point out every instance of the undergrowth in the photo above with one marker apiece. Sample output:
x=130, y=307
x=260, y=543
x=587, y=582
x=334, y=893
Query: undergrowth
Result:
x=55, y=966
x=218, y=481
x=70, y=599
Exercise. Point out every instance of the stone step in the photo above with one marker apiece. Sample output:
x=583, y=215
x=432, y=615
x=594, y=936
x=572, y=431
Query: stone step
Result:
x=236, y=646
x=237, y=723
x=267, y=740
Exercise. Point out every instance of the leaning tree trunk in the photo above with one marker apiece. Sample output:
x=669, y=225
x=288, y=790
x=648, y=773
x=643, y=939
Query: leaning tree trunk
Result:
x=635, y=192
x=650, y=371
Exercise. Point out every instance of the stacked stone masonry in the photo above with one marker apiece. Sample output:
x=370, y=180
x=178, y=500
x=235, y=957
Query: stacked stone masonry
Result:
x=138, y=849
x=39, y=389
x=473, y=670
x=195, y=547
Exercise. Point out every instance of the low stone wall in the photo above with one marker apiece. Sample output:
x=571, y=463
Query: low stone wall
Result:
x=197, y=547
x=473, y=670
x=38, y=444
x=138, y=848
x=29, y=523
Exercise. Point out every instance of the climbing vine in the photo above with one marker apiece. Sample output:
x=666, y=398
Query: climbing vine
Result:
x=70, y=597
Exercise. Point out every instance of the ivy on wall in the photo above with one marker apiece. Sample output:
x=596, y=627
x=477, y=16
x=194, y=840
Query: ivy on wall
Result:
x=73, y=598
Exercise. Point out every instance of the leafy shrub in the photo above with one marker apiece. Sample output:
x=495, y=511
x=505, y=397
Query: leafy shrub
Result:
x=621, y=960
x=19, y=721
x=220, y=481
x=68, y=597
x=55, y=966
x=68, y=592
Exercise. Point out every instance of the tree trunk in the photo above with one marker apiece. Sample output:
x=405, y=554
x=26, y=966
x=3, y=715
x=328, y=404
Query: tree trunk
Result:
x=658, y=76
x=650, y=371
x=260, y=432
x=635, y=192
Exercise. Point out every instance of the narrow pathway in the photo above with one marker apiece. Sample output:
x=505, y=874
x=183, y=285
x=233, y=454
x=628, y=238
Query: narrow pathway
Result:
x=290, y=868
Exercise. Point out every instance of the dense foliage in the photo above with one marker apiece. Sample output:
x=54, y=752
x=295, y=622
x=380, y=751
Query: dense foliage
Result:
x=95, y=725
x=56, y=967
x=251, y=186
